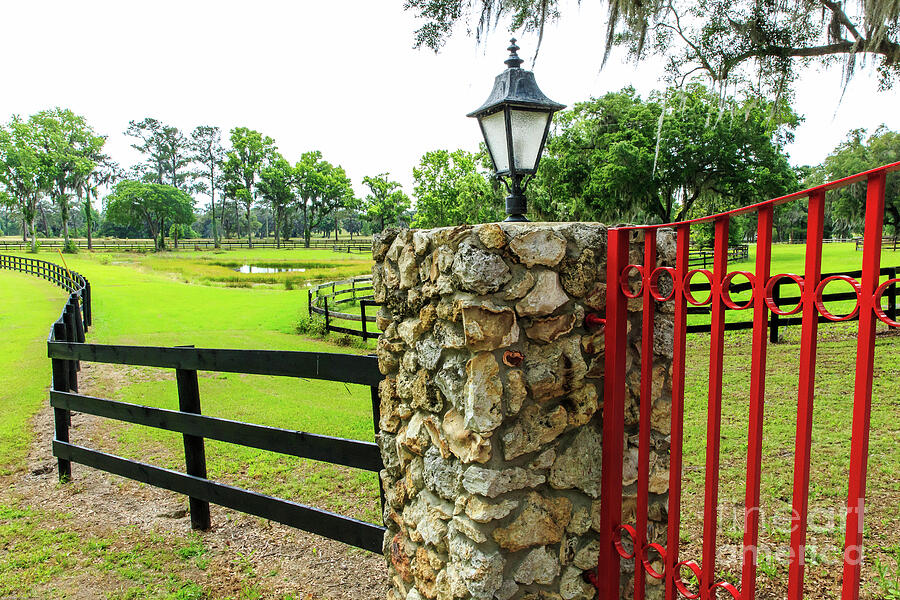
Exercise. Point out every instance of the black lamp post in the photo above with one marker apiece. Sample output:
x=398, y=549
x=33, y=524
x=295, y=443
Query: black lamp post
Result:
x=515, y=120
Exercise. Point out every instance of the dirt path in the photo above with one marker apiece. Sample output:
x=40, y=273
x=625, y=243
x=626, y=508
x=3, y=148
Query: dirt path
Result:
x=278, y=561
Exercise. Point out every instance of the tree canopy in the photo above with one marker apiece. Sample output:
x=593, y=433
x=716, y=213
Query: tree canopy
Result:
x=620, y=157
x=451, y=188
x=243, y=164
x=322, y=188
x=385, y=203
x=860, y=153
x=756, y=44
x=155, y=205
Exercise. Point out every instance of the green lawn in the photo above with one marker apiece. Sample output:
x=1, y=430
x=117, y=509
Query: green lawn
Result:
x=28, y=306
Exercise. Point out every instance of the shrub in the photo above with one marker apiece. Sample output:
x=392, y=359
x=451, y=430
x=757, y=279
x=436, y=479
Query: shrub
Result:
x=288, y=284
x=35, y=249
x=311, y=325
x=70, y=248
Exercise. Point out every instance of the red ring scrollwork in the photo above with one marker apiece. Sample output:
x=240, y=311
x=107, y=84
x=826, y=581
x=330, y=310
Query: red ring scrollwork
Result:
x=623, y=281
x=879, y=312
x=695, y=569
x=726, y=295
x=617, y=541
x=820, y=303
x=728, y=588
x=770, y=302
x=650, y=570
x=654, y=285
x=687, y=287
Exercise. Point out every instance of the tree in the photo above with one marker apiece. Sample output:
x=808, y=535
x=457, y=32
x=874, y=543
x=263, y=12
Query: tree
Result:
x=756, y=44
x=22, y=172
x=321, y=187
x=622, y=158
x=243, y=163
x=134, y=203
x=166, y=149
x=451, y=190
x=69, y=150
x=386, y=202
x=207, y=151
x=105, y=172
x=275, y=187
x=854, y=155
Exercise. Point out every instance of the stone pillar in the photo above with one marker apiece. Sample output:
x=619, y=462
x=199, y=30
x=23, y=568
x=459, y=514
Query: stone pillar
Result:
x=490, y=409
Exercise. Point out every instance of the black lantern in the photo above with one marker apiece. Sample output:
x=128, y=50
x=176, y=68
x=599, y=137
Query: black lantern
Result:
x=515, y=120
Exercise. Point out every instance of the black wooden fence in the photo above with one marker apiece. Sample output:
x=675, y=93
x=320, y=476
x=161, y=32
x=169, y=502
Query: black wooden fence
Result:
x=356, y=245
x=703, y=258
x=887, y=243
x=66, y=348
x=325, y=297
x=195, y=427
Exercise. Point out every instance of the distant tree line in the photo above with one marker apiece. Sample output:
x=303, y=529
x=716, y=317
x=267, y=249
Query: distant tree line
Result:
x=53, y=169
x=677, y=154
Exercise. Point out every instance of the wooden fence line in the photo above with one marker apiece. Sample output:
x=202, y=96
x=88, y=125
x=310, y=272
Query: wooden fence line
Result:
x=888, y=243
x=346, y=246
x=196, y=428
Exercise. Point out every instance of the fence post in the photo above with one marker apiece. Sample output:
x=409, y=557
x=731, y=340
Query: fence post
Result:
x=326, y=313
x=362, y=312
x=79, y=321
x=61, y=416
x=773, y=320
x=86, y=302
x=194, y=447
x=376, y=418
x=71, y=336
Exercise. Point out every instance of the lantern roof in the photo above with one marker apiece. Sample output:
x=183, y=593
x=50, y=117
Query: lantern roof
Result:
x=516, y=87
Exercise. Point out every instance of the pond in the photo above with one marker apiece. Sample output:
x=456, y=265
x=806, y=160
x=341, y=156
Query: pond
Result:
x=255, y=269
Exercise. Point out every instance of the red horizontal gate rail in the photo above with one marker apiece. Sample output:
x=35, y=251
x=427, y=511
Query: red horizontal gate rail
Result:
x=620, y=275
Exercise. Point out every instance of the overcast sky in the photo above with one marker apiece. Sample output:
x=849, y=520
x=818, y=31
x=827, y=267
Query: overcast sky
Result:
x=338, y=76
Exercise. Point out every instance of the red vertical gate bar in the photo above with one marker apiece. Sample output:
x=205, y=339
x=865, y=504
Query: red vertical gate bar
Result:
x=803, y=442
x=673, y=534
x=613, y=416
x=714, y=410
x=643, y=483
x=862, y=394
x=757, y=402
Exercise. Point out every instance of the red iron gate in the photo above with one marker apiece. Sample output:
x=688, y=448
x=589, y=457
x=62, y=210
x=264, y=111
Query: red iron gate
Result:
x=869, y=309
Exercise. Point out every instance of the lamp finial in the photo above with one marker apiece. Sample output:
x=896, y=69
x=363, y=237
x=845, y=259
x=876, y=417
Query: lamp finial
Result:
x=513, y=62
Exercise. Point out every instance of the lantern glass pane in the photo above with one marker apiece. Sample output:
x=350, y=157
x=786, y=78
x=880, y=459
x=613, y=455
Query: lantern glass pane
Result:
x=527, y=133
x=495, y=136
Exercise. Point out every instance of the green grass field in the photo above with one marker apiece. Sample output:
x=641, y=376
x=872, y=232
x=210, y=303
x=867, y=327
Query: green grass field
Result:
x=184, y=298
